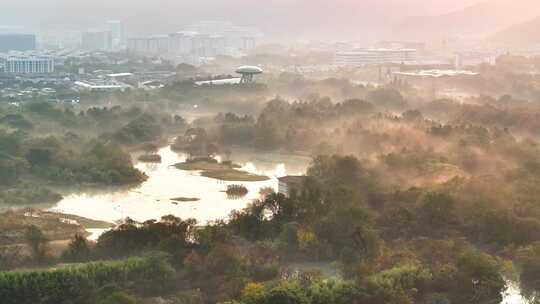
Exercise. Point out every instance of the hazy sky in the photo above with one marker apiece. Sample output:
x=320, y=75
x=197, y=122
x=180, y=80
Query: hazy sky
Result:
x=276, y=17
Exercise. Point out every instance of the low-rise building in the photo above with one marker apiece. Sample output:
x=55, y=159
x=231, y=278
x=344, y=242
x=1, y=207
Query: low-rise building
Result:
x=100, y=85
x=363, y=57
x=289, y=184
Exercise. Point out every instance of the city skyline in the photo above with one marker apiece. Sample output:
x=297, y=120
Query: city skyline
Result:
x=280, y=19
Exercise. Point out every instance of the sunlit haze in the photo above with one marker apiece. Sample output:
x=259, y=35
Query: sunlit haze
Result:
x=269, y=151
x=301, y=18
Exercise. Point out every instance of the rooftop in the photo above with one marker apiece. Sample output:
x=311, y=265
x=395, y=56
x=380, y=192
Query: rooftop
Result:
x=248, y=69
x=437, y=73
x=374, y=50
x=120, y=75
x=219, y=81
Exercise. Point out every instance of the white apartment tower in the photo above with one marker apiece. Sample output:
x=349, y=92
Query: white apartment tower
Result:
x=97, y=40
x=116, y=27
x=29, y=65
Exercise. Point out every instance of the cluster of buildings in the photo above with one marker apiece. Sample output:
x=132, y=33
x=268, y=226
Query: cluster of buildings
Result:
x=195, y=44
x=108, y=39
x=17, y=55
x=20, y=54
x=13, y=94
x=410, y=55
x=198, y=43
x=101, y=81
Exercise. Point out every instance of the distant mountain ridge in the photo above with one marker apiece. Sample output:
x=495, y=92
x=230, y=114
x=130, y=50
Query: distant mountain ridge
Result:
x=519, y=35
x=479, y=20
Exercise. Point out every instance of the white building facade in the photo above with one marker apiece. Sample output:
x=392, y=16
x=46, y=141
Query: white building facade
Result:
x=363, y=57
x=29, y=65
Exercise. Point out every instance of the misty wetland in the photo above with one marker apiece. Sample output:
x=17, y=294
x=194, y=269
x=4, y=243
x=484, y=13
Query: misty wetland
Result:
x=162, y=193
x=270, y=152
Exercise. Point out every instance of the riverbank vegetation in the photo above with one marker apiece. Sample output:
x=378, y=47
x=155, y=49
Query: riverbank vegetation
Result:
x=28, y=194
x=393, y=247
x=43, y=145
x=55, y=226
x=87, y=283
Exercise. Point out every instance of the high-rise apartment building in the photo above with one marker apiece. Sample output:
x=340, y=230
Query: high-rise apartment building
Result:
x=97, y=40
x=116, y=28
x=17, y=42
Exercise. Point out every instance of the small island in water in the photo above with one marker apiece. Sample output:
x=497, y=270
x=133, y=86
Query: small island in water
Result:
x=150, y=158
x=239, y=190
x=150, y=155
x=185, y=199
x=226, y=170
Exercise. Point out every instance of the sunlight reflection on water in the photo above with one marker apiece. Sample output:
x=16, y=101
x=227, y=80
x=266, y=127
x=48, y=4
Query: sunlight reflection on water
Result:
x=152, y=199
x=513, y=295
